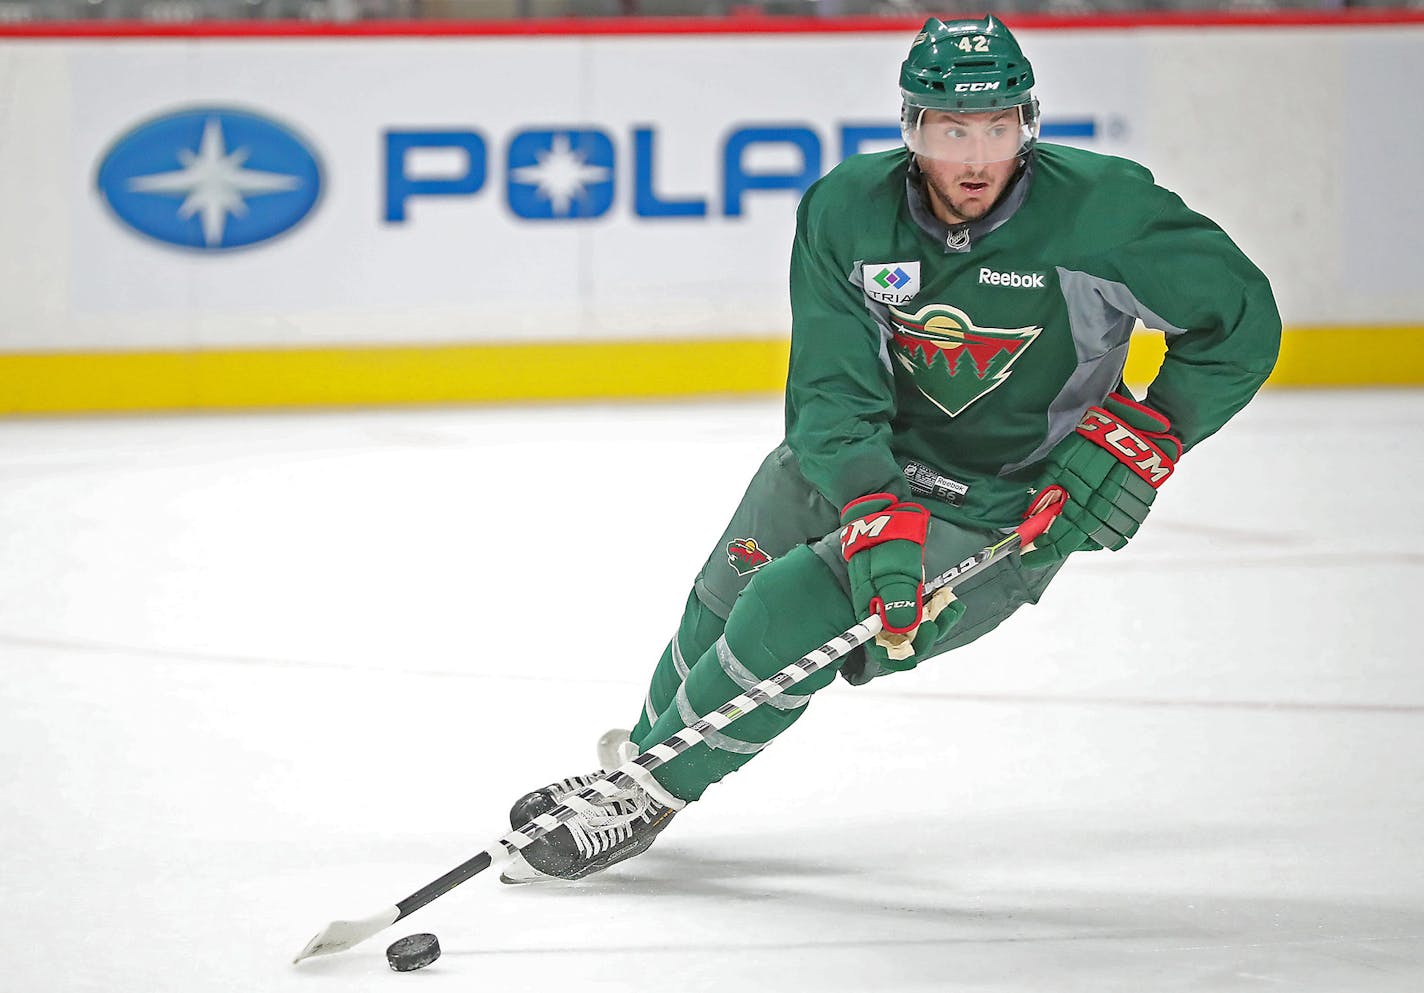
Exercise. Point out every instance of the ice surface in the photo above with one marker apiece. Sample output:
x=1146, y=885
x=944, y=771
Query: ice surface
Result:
x=259, y=673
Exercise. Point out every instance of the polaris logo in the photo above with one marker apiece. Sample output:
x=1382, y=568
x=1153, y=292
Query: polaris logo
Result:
x=210, y=179
x=1025, y=280
x=975, y=87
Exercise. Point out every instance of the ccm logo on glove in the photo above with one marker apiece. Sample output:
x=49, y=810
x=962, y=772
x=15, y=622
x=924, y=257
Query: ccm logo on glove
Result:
x=1134, y=449
x=907, y=521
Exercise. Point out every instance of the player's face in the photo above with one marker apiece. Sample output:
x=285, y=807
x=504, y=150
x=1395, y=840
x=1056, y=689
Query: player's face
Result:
x=967, y=160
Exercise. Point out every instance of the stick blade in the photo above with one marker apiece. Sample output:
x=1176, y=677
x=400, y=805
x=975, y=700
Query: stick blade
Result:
x=341, y=935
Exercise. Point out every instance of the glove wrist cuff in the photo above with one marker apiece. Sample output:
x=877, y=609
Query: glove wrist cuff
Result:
x=1142, y=451
x=894, y=522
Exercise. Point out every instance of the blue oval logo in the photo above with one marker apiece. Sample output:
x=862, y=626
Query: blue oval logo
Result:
x=210, y=179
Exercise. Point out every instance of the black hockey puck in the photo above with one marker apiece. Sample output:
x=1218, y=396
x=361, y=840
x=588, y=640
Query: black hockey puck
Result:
x=414, y=951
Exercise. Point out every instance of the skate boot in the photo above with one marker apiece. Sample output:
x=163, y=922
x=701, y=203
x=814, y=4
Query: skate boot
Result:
x=604, y=833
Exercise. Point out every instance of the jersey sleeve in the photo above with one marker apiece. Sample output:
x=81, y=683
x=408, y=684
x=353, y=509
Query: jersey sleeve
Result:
x=1223, y=329
x=840, y=394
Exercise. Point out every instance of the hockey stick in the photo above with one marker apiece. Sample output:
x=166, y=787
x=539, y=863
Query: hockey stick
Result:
x=341, y=935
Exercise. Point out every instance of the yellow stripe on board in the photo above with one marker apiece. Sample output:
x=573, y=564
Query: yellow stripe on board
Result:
x=111, y=381
x=1324, y=356
x=240, y=379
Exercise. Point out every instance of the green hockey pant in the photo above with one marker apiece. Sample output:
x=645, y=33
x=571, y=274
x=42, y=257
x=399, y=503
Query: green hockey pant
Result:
x=779, y=608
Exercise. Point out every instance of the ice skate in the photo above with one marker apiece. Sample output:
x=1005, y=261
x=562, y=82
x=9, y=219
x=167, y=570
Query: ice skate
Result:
x=602, y=834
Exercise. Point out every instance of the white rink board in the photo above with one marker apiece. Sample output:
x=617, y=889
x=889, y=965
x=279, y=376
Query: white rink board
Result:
x=1333, y=224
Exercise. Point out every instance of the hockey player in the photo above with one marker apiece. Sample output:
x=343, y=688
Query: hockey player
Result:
x=961, y=309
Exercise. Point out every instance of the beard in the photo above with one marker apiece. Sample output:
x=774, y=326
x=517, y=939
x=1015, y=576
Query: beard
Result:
x=966, y=209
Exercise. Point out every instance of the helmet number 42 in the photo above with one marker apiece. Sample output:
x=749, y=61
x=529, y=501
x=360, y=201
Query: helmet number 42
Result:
x=972, y=43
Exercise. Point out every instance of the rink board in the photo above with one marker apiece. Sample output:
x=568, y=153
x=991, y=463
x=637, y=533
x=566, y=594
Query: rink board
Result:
x=336, y=377
x=582, y=233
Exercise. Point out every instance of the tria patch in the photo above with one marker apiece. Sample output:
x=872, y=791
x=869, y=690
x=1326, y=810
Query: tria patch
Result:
x=746, y=556
x=891, y=282
x=951, y=360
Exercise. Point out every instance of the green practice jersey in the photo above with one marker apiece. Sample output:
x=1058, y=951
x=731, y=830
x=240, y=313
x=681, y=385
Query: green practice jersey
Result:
x=944, y=363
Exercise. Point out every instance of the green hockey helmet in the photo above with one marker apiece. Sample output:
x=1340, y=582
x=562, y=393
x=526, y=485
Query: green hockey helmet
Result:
x=957, y=71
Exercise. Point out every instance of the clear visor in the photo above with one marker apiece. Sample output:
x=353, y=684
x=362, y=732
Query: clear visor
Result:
x=974, y=137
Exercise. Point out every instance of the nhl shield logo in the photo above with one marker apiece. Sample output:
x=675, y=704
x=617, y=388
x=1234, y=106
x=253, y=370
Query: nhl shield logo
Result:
x=746, y=556
x=952, y=361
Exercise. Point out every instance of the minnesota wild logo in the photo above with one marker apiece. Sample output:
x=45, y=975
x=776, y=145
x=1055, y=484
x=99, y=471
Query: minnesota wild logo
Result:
x=746, y=556
x=953, y=362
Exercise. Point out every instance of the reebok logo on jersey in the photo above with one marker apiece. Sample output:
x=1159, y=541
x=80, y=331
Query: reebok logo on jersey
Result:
x=1026, y=280
x=890, y=282
x=927, y=481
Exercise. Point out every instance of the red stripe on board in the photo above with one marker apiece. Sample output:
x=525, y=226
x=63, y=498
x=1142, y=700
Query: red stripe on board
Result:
x=742, y=24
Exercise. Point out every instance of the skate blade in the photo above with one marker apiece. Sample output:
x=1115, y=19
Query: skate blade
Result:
x=519, y=872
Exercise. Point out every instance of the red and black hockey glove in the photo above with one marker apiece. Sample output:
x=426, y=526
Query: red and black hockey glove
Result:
x=883, y=541
x=1111, y=467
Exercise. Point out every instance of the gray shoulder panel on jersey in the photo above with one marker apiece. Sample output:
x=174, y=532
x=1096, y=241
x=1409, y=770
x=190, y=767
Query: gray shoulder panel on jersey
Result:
x=878, y=312
x=1101, y=316
x=1086, y=293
